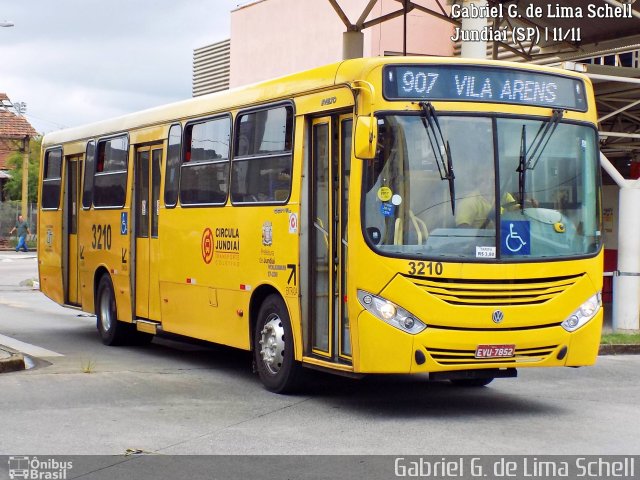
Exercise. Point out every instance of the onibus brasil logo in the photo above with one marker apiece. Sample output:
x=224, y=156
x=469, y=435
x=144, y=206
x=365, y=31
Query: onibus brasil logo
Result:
x=36, y=469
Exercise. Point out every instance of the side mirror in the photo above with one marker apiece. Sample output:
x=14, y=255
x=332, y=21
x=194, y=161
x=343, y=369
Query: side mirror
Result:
x=366, y=138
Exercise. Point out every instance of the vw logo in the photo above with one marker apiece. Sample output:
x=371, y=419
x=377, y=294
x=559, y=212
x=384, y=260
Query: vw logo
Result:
x=497, y=316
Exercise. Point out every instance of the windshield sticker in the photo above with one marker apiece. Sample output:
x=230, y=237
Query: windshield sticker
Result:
x=385, y=194
x=515, y=237
x=396, y=199
x=387, y=209
x=485, y=252
x=293, y=223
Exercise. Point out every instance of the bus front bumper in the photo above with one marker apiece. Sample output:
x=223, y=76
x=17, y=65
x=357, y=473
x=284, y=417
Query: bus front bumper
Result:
x=385, y=349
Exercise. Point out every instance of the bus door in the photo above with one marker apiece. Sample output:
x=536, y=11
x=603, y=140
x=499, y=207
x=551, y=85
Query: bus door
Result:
x=147, y=203
x=71, y=205
x=329, y=187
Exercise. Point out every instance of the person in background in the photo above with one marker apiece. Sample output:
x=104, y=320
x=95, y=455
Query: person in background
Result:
x=22, y=227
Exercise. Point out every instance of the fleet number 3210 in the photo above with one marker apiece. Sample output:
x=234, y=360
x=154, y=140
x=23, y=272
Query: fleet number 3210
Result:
x=424, y=268
x=101, y=237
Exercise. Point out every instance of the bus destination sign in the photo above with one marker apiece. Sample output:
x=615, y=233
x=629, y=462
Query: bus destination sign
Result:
x=483, y=84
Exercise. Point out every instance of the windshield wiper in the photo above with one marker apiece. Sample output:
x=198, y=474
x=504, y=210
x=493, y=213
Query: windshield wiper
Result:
x=522, y=167
x=544, y=134
x=441, y=149
x=528, y=161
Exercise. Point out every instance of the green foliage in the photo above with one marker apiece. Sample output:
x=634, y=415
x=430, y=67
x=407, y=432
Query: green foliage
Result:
x=13, y=187
x=620, y=338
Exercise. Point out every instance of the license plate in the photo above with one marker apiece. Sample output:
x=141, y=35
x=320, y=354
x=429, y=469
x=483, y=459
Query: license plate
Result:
x=495, y=351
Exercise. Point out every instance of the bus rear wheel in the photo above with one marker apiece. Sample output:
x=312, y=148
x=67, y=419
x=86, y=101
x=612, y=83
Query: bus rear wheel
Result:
x=273, y=348
x=112, y=331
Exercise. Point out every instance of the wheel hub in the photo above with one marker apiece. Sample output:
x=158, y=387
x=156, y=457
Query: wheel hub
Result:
x=272, y=344
x=105, y=312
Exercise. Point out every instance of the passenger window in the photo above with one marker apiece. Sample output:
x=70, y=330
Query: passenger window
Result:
x=262, y=164
x=89, y=172
x=204, y=173
x=172, y=173
x=52, y=175
x=110, y=179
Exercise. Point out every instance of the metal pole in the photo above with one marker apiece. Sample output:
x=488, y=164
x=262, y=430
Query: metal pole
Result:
x=626, y=279
x=474, y=49
x=495, y=50
x=25, y=177
x=352, y=45
x=404, y=31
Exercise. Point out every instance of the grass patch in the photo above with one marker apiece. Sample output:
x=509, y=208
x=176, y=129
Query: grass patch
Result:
x=88, y=366
x=620, y=339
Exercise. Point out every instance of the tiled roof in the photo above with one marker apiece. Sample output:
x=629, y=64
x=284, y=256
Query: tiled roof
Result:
x=13, y=126
x=13, y=129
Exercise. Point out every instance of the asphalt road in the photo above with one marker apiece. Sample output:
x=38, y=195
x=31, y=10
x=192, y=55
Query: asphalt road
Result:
x=176, y=398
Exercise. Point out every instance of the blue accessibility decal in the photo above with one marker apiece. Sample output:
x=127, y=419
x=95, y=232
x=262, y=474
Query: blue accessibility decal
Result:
x=515, y=237
x=124, y=223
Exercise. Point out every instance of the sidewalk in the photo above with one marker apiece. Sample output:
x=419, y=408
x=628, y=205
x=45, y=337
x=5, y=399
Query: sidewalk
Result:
x=11, y=255
x=10, y=360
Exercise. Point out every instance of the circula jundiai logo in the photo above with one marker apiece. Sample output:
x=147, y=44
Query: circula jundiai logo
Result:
x=207, y=245
x=227, y=240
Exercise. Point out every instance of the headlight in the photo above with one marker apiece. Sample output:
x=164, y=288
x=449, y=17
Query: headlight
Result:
x=390, y=313
x=583, y=314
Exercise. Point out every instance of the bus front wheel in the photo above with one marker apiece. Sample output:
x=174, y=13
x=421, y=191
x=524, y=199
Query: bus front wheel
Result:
x=273, y=347
x=112, y=331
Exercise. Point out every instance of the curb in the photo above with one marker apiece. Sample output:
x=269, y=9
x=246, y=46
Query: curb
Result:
x=619, y=349
x=10, y=360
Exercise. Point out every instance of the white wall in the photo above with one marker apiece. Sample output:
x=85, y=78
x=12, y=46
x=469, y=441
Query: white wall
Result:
x=271, y=38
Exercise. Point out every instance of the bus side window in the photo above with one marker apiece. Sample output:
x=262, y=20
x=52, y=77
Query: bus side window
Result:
x=110, y=178
x=172, y=172
x=262, y=164
x=89, y=172
x=52, y=176
x=204, y=171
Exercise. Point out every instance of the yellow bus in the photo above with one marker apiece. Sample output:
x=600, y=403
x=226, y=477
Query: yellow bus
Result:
x=384, y=215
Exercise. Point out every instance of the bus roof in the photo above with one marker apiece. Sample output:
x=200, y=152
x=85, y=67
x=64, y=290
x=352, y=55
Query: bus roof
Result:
x=319, y=78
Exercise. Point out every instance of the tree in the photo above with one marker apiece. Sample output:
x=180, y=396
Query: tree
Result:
x=13, y=187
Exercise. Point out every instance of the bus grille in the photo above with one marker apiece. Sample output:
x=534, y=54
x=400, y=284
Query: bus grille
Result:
x=460, y=357
x=529, y=291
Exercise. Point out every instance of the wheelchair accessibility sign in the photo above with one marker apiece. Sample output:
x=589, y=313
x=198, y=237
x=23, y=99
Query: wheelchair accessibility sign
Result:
x=124, y=223
x=515, y=237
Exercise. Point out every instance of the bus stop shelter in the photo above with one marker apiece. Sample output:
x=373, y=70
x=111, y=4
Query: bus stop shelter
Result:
x=603, y=43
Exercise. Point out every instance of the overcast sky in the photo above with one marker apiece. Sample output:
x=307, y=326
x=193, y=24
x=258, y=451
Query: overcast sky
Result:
x=79, y=61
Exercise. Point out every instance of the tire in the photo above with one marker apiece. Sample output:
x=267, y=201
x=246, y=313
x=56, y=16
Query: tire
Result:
x=273, y=347
x=112, y=331
x=471, y=382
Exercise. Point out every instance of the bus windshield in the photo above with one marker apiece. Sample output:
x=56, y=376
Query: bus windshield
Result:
x=544, y=179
